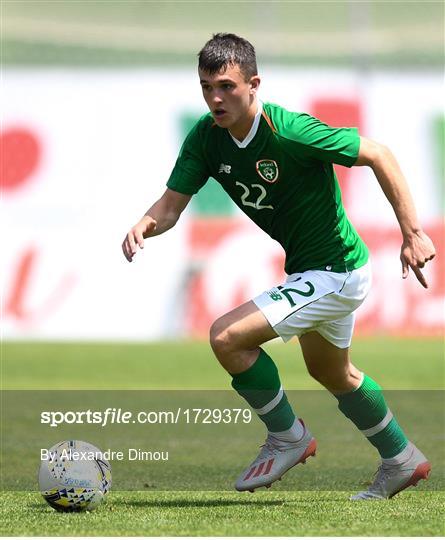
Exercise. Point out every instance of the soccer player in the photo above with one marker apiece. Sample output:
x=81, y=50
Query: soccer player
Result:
x=277, y=166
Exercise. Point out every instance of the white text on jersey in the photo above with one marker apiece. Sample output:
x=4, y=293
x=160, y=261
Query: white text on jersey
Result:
x=225, y=168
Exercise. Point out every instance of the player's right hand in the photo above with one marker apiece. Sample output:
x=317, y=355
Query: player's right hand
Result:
x=135, y=237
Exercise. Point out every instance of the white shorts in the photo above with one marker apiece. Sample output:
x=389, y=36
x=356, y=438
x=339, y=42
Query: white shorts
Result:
x=316, y=300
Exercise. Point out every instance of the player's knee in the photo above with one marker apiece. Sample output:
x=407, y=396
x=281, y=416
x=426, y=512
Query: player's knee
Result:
x=221, y=337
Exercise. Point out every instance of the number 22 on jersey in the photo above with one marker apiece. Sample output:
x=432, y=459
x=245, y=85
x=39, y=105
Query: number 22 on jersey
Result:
x=261, y=196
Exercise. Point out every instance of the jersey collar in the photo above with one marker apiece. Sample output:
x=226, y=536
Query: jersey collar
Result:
x=253, y=129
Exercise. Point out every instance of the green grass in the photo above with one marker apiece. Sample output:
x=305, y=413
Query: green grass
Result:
x=283, y=513
x=180, y=498
x=395, y=363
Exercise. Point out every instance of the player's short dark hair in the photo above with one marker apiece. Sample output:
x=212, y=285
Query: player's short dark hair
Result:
x=225, y=50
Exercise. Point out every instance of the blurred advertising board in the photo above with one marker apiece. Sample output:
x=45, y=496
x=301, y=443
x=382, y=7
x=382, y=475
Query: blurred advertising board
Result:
x=85, y=153
x=231, y=263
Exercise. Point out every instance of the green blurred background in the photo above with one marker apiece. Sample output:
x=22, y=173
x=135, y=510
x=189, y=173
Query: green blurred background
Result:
x=366, y=34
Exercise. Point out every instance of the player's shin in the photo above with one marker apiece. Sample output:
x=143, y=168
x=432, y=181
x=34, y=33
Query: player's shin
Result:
x=366, y=408
x=260, y=386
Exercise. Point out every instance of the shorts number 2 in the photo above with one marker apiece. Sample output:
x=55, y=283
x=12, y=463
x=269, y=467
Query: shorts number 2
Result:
x=286, y=291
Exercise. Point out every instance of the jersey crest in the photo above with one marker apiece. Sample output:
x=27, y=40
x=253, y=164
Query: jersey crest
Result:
x=268, y=170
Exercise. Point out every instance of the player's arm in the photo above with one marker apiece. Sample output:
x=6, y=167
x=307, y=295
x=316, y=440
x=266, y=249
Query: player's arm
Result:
x=161, y=217
x=417, y=248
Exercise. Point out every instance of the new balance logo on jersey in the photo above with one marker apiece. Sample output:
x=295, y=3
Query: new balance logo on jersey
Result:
x=268, y=170
x=225, y=168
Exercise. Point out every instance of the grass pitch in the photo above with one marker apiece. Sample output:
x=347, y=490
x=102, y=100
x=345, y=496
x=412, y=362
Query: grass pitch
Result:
x=230, y=514
x=398, y=364
x=298, y=506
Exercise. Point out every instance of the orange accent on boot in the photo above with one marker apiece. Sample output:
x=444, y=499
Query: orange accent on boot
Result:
x=310, y=451
x=421, y=472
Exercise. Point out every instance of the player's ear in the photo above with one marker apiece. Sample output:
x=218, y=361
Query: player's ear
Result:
x=254, y=84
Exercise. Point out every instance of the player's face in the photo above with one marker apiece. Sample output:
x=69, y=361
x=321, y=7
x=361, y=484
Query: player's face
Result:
x=230, y=98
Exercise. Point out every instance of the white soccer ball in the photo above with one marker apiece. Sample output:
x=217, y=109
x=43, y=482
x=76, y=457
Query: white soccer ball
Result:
x=74, y=476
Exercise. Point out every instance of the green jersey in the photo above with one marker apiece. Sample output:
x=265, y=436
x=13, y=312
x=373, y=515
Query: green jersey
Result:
x=281, y=175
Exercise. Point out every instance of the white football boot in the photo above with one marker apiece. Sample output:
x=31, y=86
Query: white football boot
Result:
x=276, y=458
x=391, y=479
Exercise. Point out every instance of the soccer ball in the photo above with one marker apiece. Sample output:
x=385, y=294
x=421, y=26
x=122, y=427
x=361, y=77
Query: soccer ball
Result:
x=74, y=476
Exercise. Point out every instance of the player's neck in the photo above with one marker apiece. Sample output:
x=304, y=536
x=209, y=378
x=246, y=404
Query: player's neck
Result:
x=243, y=127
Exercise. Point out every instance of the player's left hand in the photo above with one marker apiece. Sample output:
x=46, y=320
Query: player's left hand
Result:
x=417, y=250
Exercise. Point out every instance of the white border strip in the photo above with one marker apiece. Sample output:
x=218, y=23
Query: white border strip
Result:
x=272, y=404
x=379, y=427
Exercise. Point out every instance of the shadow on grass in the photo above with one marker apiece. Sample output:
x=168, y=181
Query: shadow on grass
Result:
x=186, y=503
x=178, y=503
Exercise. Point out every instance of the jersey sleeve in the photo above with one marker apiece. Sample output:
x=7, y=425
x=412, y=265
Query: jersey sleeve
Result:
x=318, y=141
x=190, y=172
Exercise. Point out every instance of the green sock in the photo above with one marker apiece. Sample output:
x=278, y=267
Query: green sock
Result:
x=366, y=408
x=260, y=386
